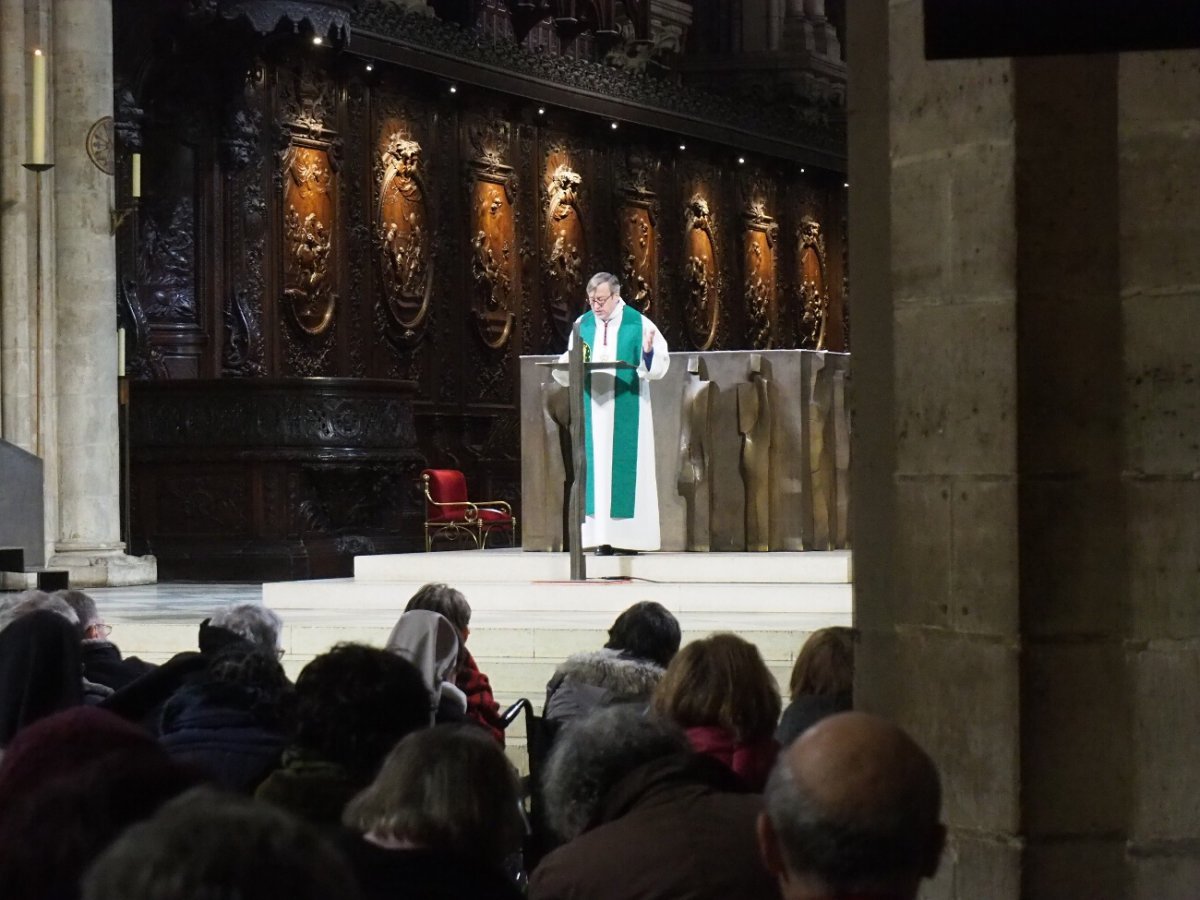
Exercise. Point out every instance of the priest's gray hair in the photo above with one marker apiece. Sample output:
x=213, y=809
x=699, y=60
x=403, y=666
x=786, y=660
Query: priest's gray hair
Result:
x=252, y=621
x=600, y=278
x=593, y=754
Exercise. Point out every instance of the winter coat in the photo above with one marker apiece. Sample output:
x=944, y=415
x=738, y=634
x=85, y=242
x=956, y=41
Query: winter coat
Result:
x=481, y=704
x=142, y=700
x=214, y=728
x=750, y=761
x=806, y=711
x=678, y=827
x=103, y=664
x=310, y=787
x=39, y=670
x=384, y=874
x=590, y=681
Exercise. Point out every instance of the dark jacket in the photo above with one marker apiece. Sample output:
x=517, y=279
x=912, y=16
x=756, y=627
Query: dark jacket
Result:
x=103, y=664
x=142, y=699
x=589, y=681
x=385, y=874
x=39, y=670
x=214, y=728
x=676, y=829
x=804, y=712
x=310, y=787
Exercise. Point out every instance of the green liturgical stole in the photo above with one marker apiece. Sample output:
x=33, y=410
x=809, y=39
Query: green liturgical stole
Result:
x=625, y=413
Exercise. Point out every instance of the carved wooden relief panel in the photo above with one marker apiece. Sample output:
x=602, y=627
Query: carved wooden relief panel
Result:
x=638, y=230
x=814, y=289
x=308, y=234
x=701, y=274
x=564, y=244
x=759, y=284
x=403, y=235
x=495, y=266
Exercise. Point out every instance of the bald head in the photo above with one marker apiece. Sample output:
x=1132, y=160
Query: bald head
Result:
x=853, y=804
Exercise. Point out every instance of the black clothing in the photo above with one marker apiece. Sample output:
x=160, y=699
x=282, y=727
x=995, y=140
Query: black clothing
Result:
x=385, y=874
x=214, y=728
x=103, y=664
x=40, y=670
x=804, y=712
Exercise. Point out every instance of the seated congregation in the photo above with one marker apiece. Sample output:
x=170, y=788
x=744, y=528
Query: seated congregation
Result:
x=381, y=772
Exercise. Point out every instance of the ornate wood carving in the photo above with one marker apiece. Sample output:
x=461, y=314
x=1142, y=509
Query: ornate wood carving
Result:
x=638, y=214
x=306, y=175
x=285, y=477
x=814, y=289
x=701, y=275
x=759, y=242
x=403, y=233
x=166, y=258
x=308, y=239
x=494, y=268
x=564, y=243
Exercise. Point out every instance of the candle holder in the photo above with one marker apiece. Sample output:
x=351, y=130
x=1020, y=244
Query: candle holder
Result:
x=38, y=169
x=117, y=217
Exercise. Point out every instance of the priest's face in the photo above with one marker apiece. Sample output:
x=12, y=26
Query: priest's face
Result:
x=603, y=301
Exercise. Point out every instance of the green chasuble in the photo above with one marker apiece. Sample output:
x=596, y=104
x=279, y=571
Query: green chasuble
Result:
x=625, y=414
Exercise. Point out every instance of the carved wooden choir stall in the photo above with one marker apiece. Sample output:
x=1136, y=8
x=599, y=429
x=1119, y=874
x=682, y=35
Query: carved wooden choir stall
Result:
x=343, y=247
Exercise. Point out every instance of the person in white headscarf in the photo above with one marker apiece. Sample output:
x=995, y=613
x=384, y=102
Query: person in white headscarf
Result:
x=430, y=642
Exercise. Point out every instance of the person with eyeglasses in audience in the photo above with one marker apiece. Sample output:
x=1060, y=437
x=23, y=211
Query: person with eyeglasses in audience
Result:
x=102, y=659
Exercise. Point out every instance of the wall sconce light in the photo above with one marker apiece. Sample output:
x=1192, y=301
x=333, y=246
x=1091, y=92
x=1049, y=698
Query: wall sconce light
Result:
x=453, y=88
x=318, y=40
x=370, y=67
x=613, y=125
x=741, y=160
x=116, y=217
x=683, y=146
x=541, y=110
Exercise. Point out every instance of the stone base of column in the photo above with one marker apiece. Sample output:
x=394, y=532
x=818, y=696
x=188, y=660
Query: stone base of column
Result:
x=105, y=568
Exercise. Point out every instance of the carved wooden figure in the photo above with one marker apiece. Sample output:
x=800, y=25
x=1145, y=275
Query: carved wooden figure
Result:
x=403, y=235
x=702, y=305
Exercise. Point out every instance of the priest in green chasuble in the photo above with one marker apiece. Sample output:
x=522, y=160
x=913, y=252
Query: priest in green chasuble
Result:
x=621, y=495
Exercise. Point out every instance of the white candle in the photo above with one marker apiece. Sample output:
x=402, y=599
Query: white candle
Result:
x=38, y=126
x=136, y=190
x=121, y=352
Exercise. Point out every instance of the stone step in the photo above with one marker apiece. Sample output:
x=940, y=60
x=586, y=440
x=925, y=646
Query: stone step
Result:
x=602, y=597
x=462, y=566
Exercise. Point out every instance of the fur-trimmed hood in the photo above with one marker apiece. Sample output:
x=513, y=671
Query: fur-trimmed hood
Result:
x=621, y=675
x=587, y=681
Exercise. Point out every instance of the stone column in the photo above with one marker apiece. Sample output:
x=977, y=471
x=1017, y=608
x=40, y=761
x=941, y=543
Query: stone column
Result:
x=1158, y=143
x=89, y=541
x=1025, y=490
x=16, y=226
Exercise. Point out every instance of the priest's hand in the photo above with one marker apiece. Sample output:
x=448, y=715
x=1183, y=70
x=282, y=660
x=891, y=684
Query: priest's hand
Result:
x=648, y=340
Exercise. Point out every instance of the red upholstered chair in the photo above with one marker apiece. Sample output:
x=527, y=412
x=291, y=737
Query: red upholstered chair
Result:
x=449, y=514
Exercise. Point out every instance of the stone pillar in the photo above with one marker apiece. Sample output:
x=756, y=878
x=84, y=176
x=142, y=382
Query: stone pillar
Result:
x=1026, y=534
x=1158, y=144
x=89, y=541
x=16, y=341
